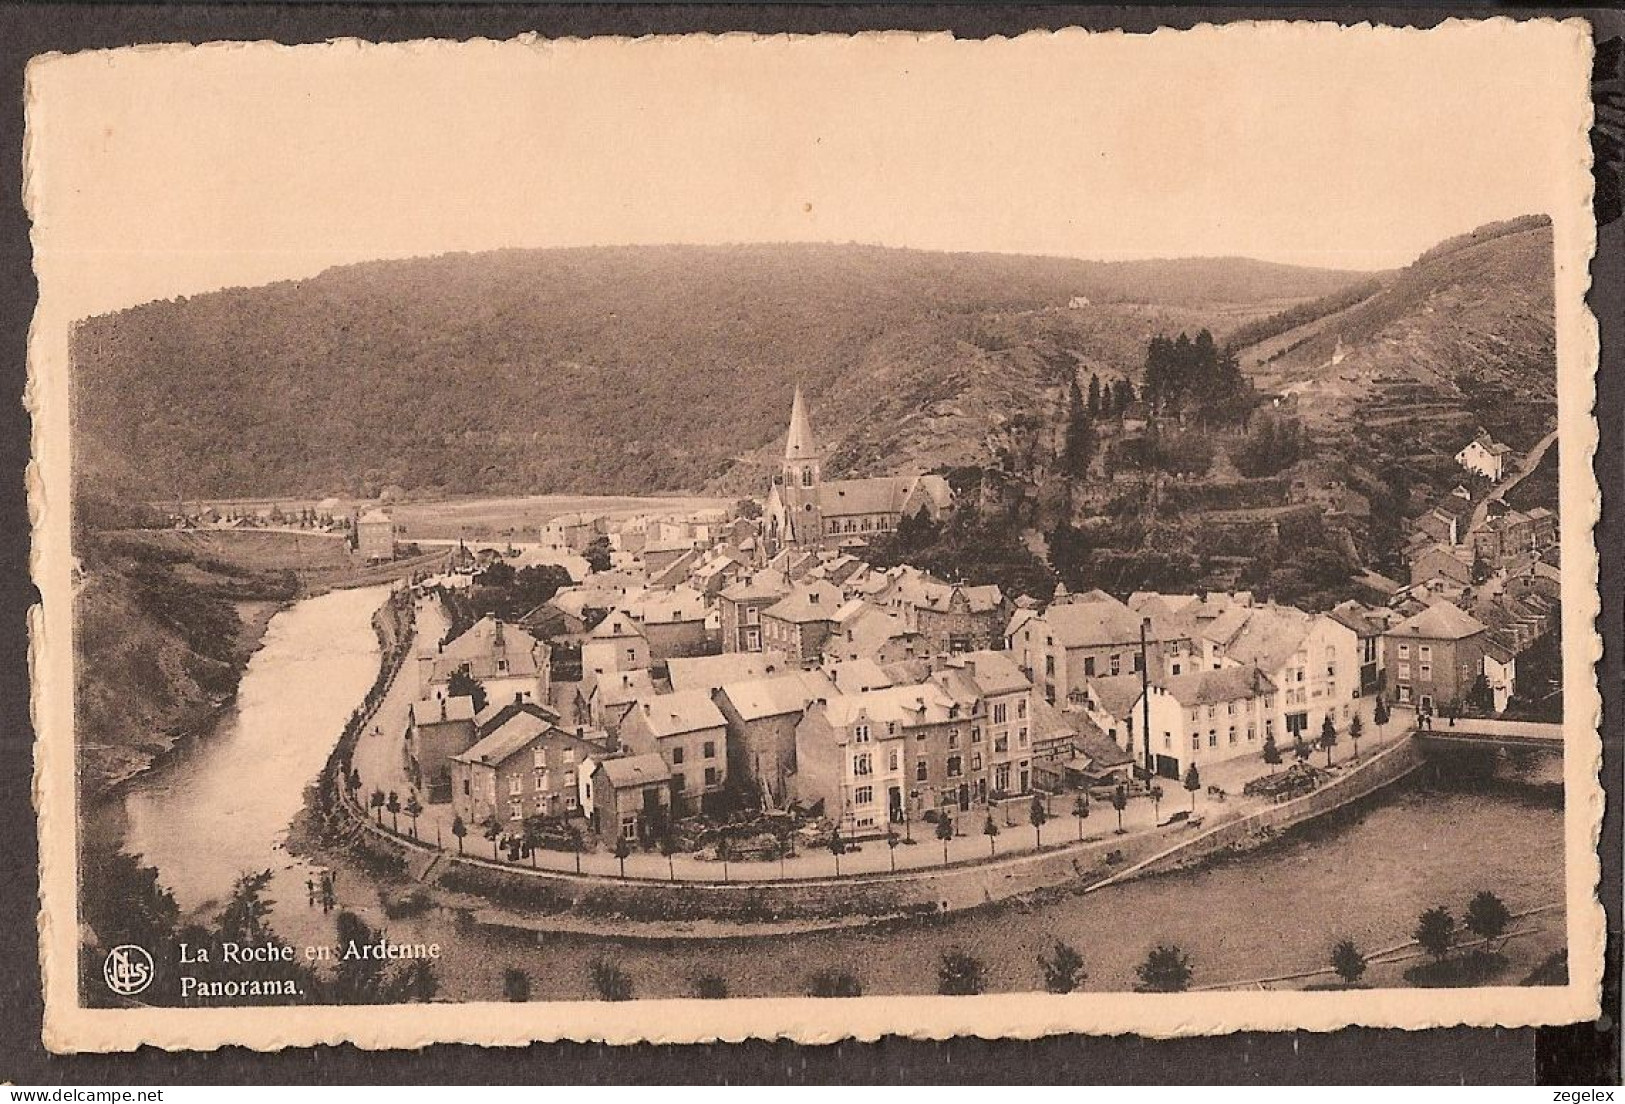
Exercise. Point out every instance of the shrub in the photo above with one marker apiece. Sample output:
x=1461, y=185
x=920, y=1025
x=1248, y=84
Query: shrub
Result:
x=1487, y=916
x=960, y=974
x=609, y=980
x=1063, y=971
x=833, y=983
x=710, y=987
x=1166, y=969
x=1435, y=932
x=1348, y=961
x=515, y=985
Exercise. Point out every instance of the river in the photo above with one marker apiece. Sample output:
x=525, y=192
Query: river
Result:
x=221, y=807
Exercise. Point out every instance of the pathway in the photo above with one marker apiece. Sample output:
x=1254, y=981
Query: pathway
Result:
x=1530, y=463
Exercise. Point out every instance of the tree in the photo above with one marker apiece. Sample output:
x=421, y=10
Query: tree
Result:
x=464, y=685
x=945, y=832
x=710, y=987
x=1120, y=802
x=748, y=508
x=1480, y=698
x=833, y=983
x=394, y=807
x=1348, y=961
x=725, y=850
x=352, y=783
x=491, y=827
x=1063, y=971
x=623, y=848
x=1156, y=800
x=892, y=840
x=1193, y=782
x=837, y=847
x=960, y=974
x=515, y=985
x=1356, y=730
x=609, y=980
x=577, y=845
x=1166, y=969
x=1080, y=810
x=376, y=801
x=1381, y=714
x=1487, y=916
x=1435, y=932
x=597, y=554
x=1328, y=736
x=668, y=848
x=1038, y=814
x=990, y=829
x=414, y=809
x=1272, y=752
x=1093, y=404
x=1079, y=442
x=459, y=829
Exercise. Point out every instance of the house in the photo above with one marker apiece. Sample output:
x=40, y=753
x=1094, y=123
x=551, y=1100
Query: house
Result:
x=800, y=622
x=862, y=631
x=617, y=643
x=671, y=621
x=523, y=765
x=1002, y=698
x=1442, y=562
x=611, y=696
x=375, y=536
x=1485, y=456
x=1206, y=716
x=1368, y=625
x=631, y=798
x=740, y=607
x=1440, y=526
x=953, y=618
x=1435, y=657
x=854, y=754
x=686, y=730
x=710, y=673
x=508, y=662
x=438, y=728
x=853, y=676
x=806, y=511
x=1312, y=660
x=761, y=715
x=1542, y=527
x=1083, y=637
x=572, y=531
x=1500, y=672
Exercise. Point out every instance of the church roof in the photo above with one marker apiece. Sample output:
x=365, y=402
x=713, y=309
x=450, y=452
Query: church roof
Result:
x=800, y=445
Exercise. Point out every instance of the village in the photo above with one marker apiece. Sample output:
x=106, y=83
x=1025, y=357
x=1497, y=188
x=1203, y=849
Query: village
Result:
x=737, y=694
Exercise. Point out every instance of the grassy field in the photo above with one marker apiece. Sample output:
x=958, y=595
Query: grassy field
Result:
x=522, y=518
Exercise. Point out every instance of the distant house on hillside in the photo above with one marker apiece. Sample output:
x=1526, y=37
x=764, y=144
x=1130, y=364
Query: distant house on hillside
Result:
x=1484, y=455
x=375, y=535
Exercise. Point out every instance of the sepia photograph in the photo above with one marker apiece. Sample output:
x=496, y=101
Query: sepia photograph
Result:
x=702, y=537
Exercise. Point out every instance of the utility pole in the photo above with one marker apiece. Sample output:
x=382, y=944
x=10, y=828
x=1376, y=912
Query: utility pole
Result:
x=1145, y=702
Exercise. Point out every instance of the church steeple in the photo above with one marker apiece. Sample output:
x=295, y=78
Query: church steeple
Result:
x=799, y=445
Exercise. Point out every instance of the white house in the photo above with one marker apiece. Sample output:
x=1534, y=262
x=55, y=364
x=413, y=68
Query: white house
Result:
x=1485, y=456
x=1206, y=716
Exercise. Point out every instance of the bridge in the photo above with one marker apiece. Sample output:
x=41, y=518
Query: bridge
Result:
x=1483, y=733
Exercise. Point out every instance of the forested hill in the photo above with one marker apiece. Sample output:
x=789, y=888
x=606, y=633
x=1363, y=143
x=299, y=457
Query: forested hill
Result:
x=617, y=370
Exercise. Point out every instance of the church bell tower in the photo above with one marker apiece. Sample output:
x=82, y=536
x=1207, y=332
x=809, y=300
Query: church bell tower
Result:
x=799, y=475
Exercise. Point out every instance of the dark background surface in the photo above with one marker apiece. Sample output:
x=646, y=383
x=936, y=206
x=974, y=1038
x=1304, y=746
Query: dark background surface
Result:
x=1582, y=1054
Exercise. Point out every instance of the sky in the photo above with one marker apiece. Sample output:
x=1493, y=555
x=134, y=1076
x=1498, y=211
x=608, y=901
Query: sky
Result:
x=158, y=172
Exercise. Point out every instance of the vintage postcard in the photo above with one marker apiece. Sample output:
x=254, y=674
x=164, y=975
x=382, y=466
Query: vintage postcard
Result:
x=701, y=538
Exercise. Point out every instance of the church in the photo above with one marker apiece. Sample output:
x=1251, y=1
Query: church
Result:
x=806, y=511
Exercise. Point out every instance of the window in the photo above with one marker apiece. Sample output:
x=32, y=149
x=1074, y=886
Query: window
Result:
x=465, y=788
x=629, y=827
x=1001, y=776
x=976, y=762
x=953, y=737
x=863, y=795
x=711, y=776
x=1232, y=734
x=1404, y=651
x=1135, y=667
x=516, y=808
x=1168, y=740
x=1424, y=652
x=1049, y=666
x=860, y=734
x=920, y=735
x=1212, y=712
x=955, y=766
x=1404, y=670
x=1425, y=671
x=679, y=782
x=539, y=758
x=710, y=749
x=1117, y=664
x=1088, y=666
x=677, y=756
x=1230, y=708
x=1001, y=743
x=1176, y=666
x=919, y=771
x=1252, y=733
x=752, y=614
x=999, y=713
x=1021, y=737
x=893, y=761
x=1021, y=709
x=975, y=734
x=1212, y=737
x=541, y=778
x=1269, y=727
x=515, y=785
x=862, y=764
x=1196, y=741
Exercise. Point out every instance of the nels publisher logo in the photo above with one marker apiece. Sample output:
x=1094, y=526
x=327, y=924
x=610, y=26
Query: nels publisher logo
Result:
x=128, y=970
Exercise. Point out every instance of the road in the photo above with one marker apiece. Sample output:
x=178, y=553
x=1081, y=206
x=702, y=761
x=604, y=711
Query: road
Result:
x=1530, y=463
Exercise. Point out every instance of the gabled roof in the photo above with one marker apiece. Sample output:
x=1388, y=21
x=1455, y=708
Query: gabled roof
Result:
x=856, y=675
x=1091, y=623
x=922, y=703
x=622, y=687
x=1116, y=694
x=810, y=601
x=714, y=671
x=1270, y=637
x=514, y=729
x=679, y=712
x=990, y=672
x=778, y=695
x=1440, y=621
x=879, y=495
x=618, y=625
x=664, y=607
x=764, y=585
x=1209, y=687
x=635, y=770
x=442, y=709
